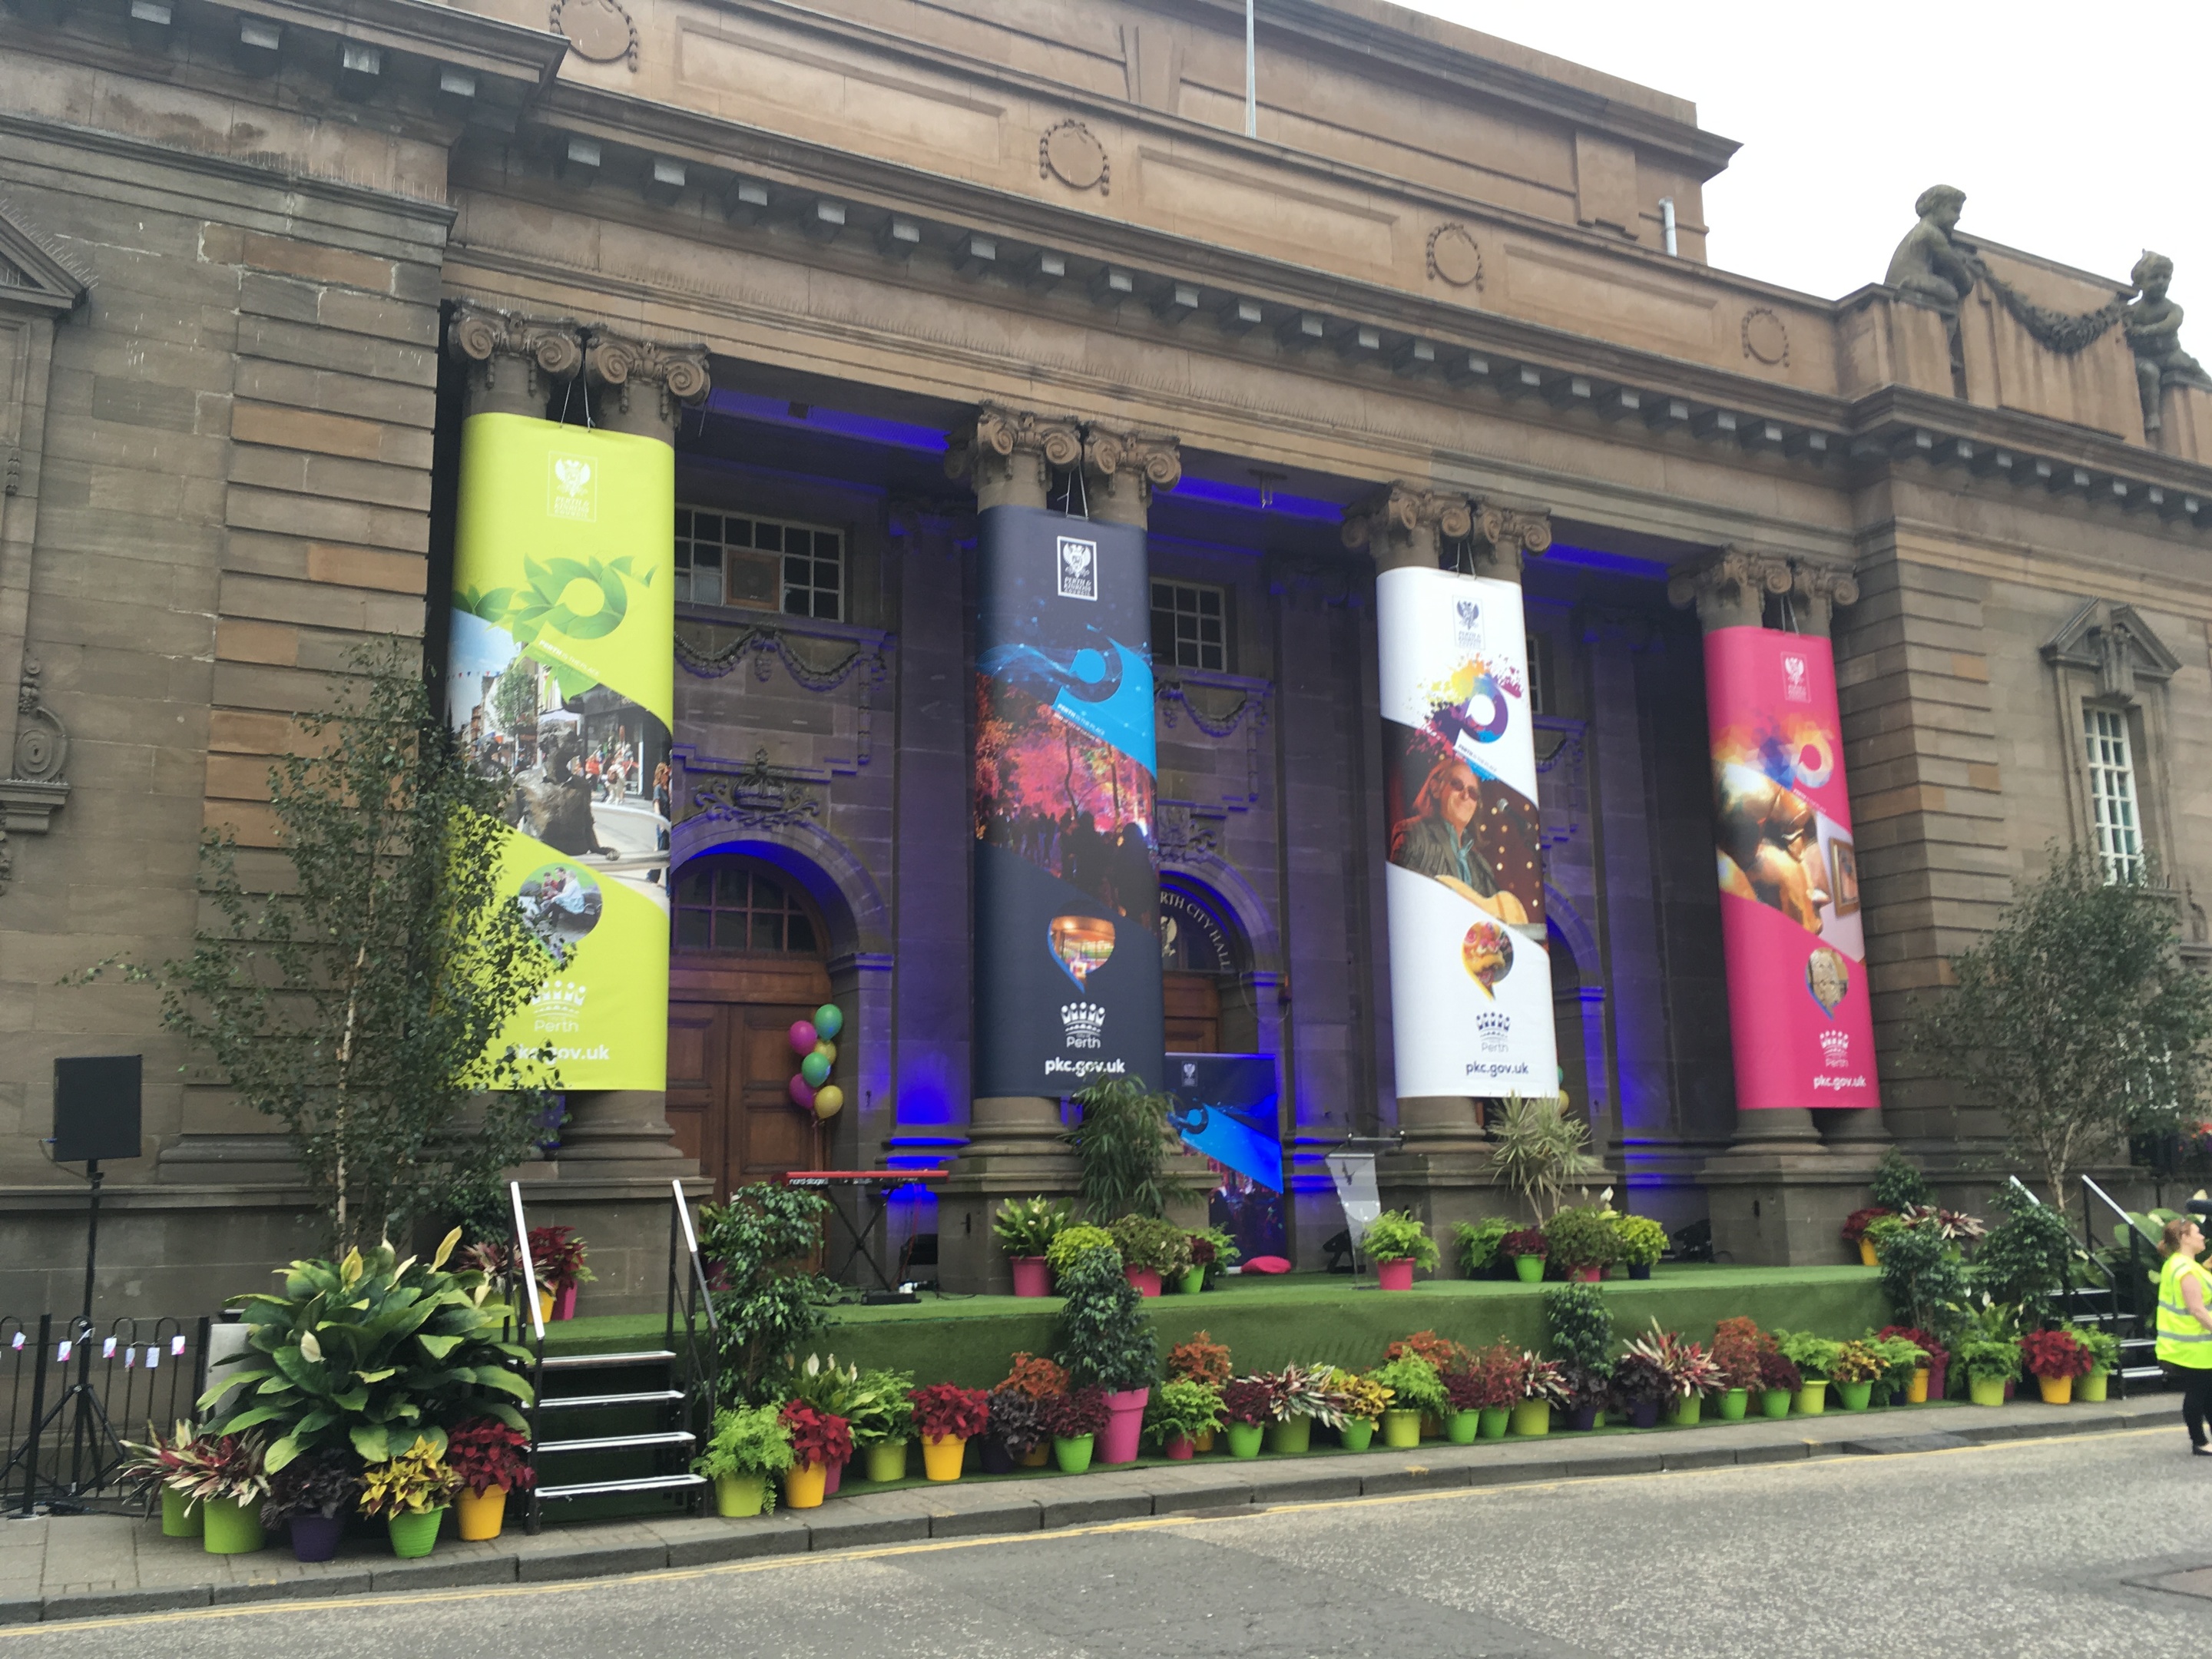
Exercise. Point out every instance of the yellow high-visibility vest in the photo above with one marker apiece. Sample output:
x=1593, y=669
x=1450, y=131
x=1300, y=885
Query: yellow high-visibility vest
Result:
x=2181, y=1340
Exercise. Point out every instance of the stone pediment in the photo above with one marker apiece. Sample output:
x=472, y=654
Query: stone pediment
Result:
x=33, y=275
x=2115, y=644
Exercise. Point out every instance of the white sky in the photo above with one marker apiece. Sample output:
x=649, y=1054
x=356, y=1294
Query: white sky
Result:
x=2075, y=131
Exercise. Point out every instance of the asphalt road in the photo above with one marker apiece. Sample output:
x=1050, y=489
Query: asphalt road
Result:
x=2014, y=1550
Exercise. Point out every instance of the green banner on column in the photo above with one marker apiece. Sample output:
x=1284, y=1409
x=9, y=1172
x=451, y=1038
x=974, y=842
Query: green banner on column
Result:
x=561, y=680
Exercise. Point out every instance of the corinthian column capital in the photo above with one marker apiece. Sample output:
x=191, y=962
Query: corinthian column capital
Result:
x=1729, y=588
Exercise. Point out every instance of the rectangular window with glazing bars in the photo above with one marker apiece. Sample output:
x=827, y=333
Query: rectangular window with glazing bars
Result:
x=2112, y=807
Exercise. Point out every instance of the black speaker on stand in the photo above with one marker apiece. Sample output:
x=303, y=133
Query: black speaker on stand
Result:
x=96, y=1118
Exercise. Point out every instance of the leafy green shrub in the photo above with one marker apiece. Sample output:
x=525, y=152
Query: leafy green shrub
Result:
x=1074, y=1243
x=1148, y=1242
x=1581, y=1237
x=1397, y=1236
x=373, y=1353
x=1815, y=1356
x=1413, y=1382
x=1898, y=1185
x=1104, y=1337
x=882, y=1412
x=1027, y=1226
x=1643, y=1241
x=1182, y=1406
x=1477, y=1242
x=747, y=1440
x=1925, y=1281
x=2025, y=1259
x=1579, y=1327
x=766, y=1303
x=1123, y=1142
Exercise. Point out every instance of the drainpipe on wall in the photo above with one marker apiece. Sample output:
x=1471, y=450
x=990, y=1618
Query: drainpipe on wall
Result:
x=1666, y=225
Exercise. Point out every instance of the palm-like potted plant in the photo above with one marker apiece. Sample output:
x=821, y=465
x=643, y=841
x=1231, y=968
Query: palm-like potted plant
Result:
x=1153, y=1250
x=1396, y=1243
x=411, y=1493
x=1525, y=1248
x=1246, y=1408
x=947, y=1417
x=1025, y=1228
x=1416, y=1389
x=1298, y=1396
x=1106, y=1340
x=1642, y=1242
x=1815, y=1357
x=881, y=1420
x=1543, y=1388
x=748, y=1449
x=1581, y=1242
x=2054, y=1360
x=150, y=1463
x=313, y=1495
x=1180, y=1410
x=818, y=1439
x=492, y=1461
x=1074, y=1420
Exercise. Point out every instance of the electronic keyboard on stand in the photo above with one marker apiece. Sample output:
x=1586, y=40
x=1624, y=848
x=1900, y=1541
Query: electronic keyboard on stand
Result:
x=879, y=1184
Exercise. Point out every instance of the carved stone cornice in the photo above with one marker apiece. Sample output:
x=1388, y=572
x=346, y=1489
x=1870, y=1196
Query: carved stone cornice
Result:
x=1007, y=455
x=1402, y=524
x=514, y=358
x=646, y=380
x=1729, y=589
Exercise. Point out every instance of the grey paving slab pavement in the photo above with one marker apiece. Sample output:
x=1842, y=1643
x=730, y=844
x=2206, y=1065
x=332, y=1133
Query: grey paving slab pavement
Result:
x=65, y=1567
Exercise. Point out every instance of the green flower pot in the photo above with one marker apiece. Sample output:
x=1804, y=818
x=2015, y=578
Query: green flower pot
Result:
x=1291, y=1438
x=231, y=1528
x=1855, y=1395
x=1460, y=1427
x=1985, y=1390
x=1358, y=1433
x=1774, y=1402
x=181, y=1516
x=1244, y=1439
x=414, y=1535
x=1402, y=1430
x=887, y=1461
x=1532, y=1417
x=1191, y=1282
x=1528, y=1269
x=1072, y=1452
x=1813, y=1398
x=1734, y=1404
x=1496, y=1420
x=2092, y=1387
x=1688, y=1412
x=740, y=1494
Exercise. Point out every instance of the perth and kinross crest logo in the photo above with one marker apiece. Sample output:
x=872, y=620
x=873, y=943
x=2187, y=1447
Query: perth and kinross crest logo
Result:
x=572, y=490
x=1079, y=568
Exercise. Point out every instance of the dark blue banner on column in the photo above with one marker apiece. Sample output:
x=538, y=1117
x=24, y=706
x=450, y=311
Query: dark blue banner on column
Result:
x=1067, y=949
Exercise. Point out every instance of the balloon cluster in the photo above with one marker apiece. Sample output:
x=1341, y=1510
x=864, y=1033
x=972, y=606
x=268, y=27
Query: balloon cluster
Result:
x=812, y=1089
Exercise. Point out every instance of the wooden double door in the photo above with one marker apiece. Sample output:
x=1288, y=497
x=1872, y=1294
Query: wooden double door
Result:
x=730, y=1065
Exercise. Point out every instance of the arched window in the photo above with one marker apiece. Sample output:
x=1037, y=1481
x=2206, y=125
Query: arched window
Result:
x=725, y=903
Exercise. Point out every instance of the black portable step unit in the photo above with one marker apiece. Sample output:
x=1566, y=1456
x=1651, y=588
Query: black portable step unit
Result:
x=2117, y=1301
x=630, y=1424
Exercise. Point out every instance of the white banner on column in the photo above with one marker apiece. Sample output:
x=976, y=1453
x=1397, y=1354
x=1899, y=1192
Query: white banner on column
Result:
x=1470, y=976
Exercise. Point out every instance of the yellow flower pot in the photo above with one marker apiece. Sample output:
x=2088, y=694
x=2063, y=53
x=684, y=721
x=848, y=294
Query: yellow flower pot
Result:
x=481, y=1514
x=941, y=1456
x=2057, y=1390
x=1867, y=1256
x=545, y=1307
x=803, y=1485
x=1916, y=1391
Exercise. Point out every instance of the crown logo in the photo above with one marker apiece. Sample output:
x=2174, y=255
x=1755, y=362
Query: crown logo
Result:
x=560, y=996
x=1836, y=1045
x=1084, y=1024
x=1492, y=1030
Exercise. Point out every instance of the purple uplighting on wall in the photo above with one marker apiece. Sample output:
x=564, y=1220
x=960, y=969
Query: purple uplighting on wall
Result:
x=835, y=423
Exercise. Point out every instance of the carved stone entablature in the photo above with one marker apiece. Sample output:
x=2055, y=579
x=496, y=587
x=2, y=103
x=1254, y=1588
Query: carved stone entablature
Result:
x=1112, y=453
x=1731, y=588
x=1402, y=518
x=517, y=356
x=628, y=369
x=2116, y=645
x=761, y=797
x=1000, y=445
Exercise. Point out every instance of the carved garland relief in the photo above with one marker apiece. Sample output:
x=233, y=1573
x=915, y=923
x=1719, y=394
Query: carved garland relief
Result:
x=599, y=31
x=1764, y=337
x=1453, y=257
x=1071, y=154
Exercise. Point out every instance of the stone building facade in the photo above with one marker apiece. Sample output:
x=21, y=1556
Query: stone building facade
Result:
x=259, y=258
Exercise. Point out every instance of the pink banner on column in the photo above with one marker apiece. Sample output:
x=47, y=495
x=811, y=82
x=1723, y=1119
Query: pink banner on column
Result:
x=1803, y=1027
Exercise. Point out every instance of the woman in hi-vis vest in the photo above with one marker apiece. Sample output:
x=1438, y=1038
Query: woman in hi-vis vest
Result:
x=2184, y=1325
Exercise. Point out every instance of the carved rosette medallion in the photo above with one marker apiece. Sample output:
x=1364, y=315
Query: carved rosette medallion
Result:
x=598, y=31
x=1070, y=153
x=1453, y=257
x=1765, y=338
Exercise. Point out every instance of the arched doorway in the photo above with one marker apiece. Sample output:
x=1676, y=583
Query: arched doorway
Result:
x=748, y=959
x=1207, y=995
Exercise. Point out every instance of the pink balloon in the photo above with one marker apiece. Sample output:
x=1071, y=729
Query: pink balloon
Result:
x=803, y=1037
x=802, y=1095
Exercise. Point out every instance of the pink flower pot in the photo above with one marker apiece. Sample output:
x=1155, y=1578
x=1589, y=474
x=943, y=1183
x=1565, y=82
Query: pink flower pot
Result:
x=1939, y=1378
x=833, y=1475
x=1031, y=1276
x=564, y=1303
x=1124, y=1425
x=1395, y=1275
x=1588, y=1275
x=1148, y=1284
x=1179, y=1449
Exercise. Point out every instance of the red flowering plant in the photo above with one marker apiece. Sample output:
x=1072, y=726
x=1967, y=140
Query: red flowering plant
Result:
x=556, y=1256
x=1466, y=1391
x=1497, y=1374
x=1737, y=1346
x=1246, y=1400
x=1524, y=1241
x=485, y=1453
x=1071, y=1416
x=1856, y=1224
x=945, y=1411
x=1936, y=1353
x=2054, y=1354
x=816, y=1436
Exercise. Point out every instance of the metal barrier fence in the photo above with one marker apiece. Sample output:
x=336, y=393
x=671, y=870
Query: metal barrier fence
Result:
x=72, y=1390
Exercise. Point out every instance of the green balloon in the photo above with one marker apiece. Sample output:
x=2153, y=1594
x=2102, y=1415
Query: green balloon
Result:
x=829, y=1020
x=815, y=1070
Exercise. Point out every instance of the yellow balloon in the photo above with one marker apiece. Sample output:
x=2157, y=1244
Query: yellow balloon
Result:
x=828, y=1101
x=828, y=1051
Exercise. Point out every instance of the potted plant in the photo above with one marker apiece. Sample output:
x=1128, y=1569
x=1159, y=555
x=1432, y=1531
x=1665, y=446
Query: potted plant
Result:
x=1857, y=1366
x=1151, y=1250
x=1397, y=1243
x=2054, y=1360
x=1211, y=1251
x=749, y=1447
x=1581, y=1242
x=313, y=1495
x=1364, y=1401
x=1106, y=1340
x=818, y=1439
x=1925, y=1381
x=151, y=1462
x=1465, y=1393
x=1640, y=1385
x=1690, y=1372
x=947, y=1416
x=228, y=1477
x=1416, y=1389
x=1015, y=1429
x=1524, y=1247
x=881, y=1422
x=832, y=1389
x=1905, y=1366
x=1778, y=1384
x=1642, y=1242
x=1298, y=1396
x=1025, y=1228
x=491, y=1460
x=1246, y=1410
x=1071, y=1243
x=1990, y=1363
x=410, y=1491
x=1543, y=1386
x=1737, y=1346
x=1496, y=1371
x=1074, y=1420
x=1477, y=1244
x=1813, y=1356
x=1179, y=1412
x=2104, y=1359
x=1579, y=1332
x=1854, y=1227
x=556, y=1256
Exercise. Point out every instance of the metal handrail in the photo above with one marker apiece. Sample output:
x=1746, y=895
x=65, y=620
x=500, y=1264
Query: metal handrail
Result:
x=529, y=1268
x=2106, y=1199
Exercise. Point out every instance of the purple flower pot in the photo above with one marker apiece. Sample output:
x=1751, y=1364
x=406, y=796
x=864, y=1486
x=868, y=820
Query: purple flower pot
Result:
x=1583, y=1417
x=315, y=1537
x=997, y=1460
x=1643, y=1414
